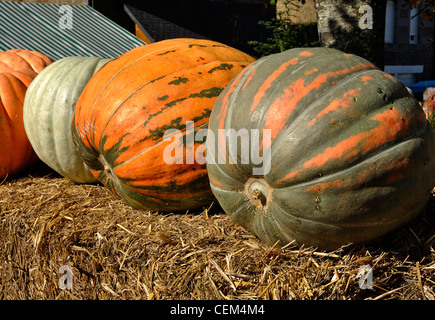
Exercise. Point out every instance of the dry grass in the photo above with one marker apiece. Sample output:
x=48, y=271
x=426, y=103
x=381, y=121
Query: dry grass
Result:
x=116, y=252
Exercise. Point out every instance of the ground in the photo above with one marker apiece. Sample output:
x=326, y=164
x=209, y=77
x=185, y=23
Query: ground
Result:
x=116, y=252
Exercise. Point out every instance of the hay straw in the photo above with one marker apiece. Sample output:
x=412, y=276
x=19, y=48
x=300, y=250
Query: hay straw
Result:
x=116, y=252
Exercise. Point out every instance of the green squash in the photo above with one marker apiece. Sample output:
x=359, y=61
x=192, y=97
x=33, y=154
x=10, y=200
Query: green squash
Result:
x=347, y=153
x=48, y=110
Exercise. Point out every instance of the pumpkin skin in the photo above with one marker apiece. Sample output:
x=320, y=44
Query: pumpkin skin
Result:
x=17, y=70
x=125, y=109
x=23, y=64
x=429, y=107
x=351, y=153
x=48, y=110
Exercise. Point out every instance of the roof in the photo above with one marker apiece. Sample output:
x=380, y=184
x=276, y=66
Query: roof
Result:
x=156, y=28
x=40, y=27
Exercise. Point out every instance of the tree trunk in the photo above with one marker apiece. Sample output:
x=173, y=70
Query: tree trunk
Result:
x=353, y=26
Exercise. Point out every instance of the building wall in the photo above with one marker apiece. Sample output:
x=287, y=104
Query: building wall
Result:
x=402, y=52
x=297, y=12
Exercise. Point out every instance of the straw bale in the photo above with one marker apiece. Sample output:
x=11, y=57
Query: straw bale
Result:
x=116, y=252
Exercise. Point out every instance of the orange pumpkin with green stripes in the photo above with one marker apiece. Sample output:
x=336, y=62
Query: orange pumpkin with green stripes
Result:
x=347, y=153
x=125, y=109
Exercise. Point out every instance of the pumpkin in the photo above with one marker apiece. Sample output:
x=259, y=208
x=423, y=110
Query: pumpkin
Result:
x=347, y=154
x=17, y=70
x=429, y=107
x=48, y=111
x=126, y=108
x=23, y=64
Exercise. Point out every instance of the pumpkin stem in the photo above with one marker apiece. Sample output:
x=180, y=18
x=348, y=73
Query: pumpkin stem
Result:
x=259, y=192
x=256, y=194
x=106, y=166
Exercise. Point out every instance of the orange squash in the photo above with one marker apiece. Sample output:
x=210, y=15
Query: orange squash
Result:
x=17, y=70
x=23, y=64
x=127, y=106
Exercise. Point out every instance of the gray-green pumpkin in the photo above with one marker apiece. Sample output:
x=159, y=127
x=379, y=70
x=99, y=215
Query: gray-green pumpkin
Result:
x=346, y=153
x=48, y=110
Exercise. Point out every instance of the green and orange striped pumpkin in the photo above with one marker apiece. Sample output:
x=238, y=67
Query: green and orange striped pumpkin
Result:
x=127, y=106
x=352, y=156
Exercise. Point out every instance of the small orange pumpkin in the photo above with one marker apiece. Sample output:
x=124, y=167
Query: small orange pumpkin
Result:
x=17, y=70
